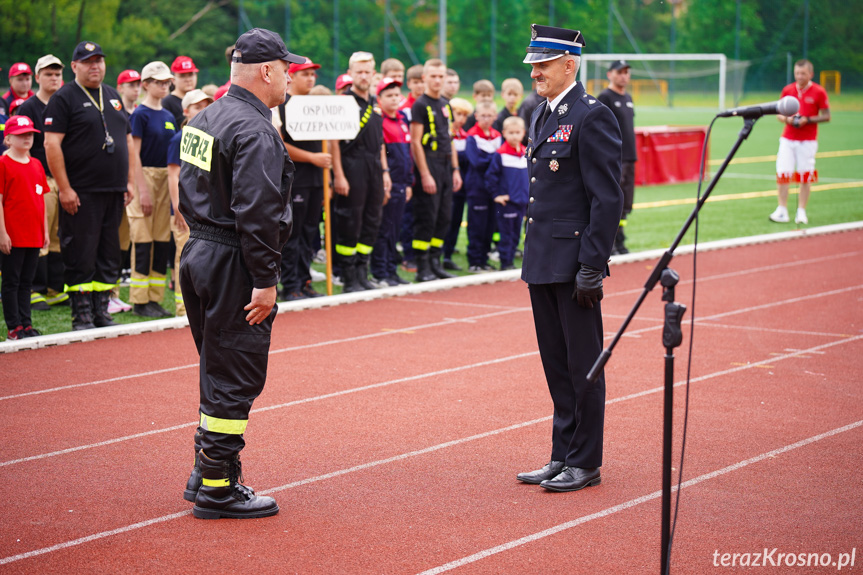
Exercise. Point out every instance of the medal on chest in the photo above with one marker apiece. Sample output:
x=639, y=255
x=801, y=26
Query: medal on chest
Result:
x=554, y=165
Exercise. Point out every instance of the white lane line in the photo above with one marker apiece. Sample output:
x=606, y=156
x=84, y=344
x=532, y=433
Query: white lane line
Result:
x=634, y=502
x=273, y=352
x=770, y=329
x=460, y=303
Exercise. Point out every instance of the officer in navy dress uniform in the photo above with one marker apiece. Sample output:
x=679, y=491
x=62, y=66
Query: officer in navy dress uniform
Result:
x=575, y=203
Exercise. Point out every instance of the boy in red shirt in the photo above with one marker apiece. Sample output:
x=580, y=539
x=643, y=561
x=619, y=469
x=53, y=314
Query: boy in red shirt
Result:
x=23, y=228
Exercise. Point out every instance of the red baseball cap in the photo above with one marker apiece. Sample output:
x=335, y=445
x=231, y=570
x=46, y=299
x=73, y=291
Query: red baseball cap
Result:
x=386, y=83
x=343, y=81
x=20, y=125
x=307, y=65
x=14, y=105
x=19, y=68
x=127, y=76
x=183, y=65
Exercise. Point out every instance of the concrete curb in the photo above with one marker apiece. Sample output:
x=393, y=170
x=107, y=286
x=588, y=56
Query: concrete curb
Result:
x=407, y=290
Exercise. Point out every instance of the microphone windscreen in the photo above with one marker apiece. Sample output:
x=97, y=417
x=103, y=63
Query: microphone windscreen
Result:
x=788, y=106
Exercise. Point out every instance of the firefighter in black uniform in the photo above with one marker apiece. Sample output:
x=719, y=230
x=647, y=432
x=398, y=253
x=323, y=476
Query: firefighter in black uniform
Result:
x=235, y=184
x=359, y=181
x=573, y=152
x=437, y=173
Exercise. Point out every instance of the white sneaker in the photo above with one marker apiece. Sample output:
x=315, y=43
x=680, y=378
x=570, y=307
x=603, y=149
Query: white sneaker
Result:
x=780, y=215
x=116, y=305
x=801, y=218
x=316, y=275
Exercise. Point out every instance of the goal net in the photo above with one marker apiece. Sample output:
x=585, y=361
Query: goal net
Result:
x=703, y=80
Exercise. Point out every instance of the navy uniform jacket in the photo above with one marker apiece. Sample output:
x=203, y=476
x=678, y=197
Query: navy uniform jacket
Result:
x=575, y=198
x=236, y=176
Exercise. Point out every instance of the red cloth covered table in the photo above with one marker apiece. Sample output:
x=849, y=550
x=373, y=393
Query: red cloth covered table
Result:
x=668, y=154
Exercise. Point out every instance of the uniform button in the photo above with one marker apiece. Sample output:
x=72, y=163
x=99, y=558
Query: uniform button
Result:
x=534, y=160
x=532, y=180
x=532, y=200
x=530, y=220
x=577, y=234
x=554, y=152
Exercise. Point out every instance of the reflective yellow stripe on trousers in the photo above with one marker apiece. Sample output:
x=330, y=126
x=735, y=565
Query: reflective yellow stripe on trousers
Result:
x=228, y=426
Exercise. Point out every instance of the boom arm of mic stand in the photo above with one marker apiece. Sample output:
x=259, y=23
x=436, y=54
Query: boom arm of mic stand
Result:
x=663, y=262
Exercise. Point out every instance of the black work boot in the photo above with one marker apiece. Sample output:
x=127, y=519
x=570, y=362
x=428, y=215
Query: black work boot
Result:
x=223, y=495
x=424, y=271
x=82, y=310
x=363, y=272
x=349, y=275
x=435, y=264
x=99, y=301
x=619, y=247
x=194, y=482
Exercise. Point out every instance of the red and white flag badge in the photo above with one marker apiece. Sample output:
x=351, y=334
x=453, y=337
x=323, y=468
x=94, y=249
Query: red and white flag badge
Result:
x=117, y=105
x=564, y=131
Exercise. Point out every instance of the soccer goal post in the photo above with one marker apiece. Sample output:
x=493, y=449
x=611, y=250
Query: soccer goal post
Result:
x=660, y=70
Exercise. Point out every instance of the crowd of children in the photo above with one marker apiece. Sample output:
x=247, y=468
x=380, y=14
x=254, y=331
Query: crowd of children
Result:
x=159, y=100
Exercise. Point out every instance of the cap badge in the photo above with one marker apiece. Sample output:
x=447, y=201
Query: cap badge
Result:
x=561, y=110
x=553, y=165
x=89, y=47
x=533, y=32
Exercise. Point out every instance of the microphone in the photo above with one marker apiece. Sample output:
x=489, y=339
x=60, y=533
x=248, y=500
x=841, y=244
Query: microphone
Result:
x=787, y=106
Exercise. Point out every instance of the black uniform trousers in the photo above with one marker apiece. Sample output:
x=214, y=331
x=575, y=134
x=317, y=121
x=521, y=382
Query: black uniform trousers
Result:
x=570, y=340
x=216, y=286
x=19, y=267
x=90, y=242
x=298, y=252
x=627, y=184
x=432, y=212
x=459, y=200
x=358, y=215
x=385, y=257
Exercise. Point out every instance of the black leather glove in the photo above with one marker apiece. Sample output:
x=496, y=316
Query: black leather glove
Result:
x=588, y=286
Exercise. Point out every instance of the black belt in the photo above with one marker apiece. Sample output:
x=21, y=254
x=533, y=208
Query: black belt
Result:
x=214, y=234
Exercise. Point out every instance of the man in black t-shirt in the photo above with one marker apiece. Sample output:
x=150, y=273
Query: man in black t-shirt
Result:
x=360, y=179
x=616, y=98
x=87, y=143
x=49, y=271
x=307, y=194
x=436, y=173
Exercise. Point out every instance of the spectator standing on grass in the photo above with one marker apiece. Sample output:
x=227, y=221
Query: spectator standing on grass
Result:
x=451, y=84
x=48, y=282
x=193, y=103
x=185, y=80
x=393, y=68
x=307, y=194
x=360, y=180
x=620, y=104
x=20, y=82
x=415, y=89
x=461, y=109
x=23, y=227
x=574, y=208
x=88, y=145
x=795, y=161
x=483, y=91
x=150, y=210
x=511, y=91
x=235, y=187
x=397, y=138
x=482, y=144
x=436, y=173
x=508, y=182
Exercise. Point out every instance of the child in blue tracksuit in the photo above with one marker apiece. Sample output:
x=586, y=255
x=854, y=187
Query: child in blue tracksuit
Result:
x=482, y=142
x=508, y=181
x=397, y=140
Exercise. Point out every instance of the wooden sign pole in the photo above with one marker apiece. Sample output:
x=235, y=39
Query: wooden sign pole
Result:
x=328, y=238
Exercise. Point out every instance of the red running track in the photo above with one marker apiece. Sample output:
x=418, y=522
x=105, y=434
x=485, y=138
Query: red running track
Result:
x=391, y=432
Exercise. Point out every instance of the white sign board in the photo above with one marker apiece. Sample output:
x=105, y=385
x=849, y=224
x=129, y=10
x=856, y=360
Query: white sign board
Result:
x=322, y=118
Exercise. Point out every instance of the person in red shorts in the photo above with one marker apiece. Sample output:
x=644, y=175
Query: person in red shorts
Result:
x=23, y=228
x=798, y=145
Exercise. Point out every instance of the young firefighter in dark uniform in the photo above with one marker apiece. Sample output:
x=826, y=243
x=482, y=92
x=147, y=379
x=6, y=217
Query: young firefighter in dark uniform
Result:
x=620, y=103
x=235, y=184
x=573, y=210
x=437, y=173
x=359, y=182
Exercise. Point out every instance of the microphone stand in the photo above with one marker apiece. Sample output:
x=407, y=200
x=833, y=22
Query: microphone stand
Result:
x=672, y=336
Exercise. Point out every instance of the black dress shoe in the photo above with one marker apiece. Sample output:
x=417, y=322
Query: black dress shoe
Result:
x=573, y=479
x=552, y=469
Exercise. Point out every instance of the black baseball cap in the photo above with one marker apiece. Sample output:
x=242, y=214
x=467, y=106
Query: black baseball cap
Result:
x=618, y=65
x=86, y=49
x=260, y=45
